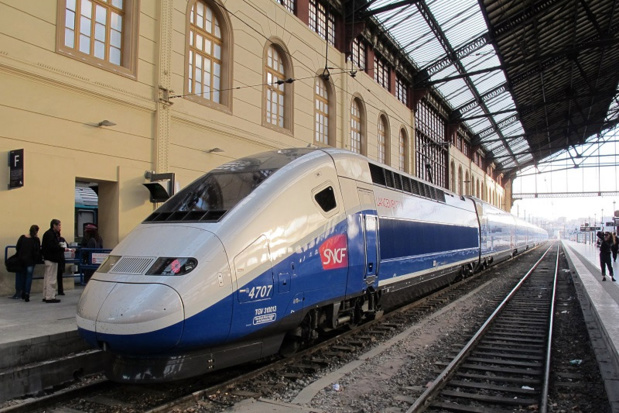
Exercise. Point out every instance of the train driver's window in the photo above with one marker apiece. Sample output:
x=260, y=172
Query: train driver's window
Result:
x=326, y=199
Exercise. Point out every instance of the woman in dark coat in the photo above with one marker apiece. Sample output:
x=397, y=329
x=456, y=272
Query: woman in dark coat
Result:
x=92, y=239
x=29, y=253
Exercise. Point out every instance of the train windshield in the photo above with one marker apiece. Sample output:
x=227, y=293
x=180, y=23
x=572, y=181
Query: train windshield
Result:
x=208, y=198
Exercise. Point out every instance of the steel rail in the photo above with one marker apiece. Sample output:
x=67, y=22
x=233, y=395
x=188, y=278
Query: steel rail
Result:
x=546, y=379
x=421, y=402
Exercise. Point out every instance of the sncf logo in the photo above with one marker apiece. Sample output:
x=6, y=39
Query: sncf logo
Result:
x=333, y=252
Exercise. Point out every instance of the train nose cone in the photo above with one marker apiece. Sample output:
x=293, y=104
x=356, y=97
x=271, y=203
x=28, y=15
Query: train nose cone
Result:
x=134, y=318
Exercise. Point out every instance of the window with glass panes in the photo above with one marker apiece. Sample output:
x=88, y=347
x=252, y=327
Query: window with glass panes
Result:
x=95, y=28
x=382, y=140
x=322, y=21
x=205, y=47
x=477, y=159
x=430, y=148
x=452, y=176
x=355, y=127
x=381, y=72
x=401, y=90
x=288, y=4
x=321, y=111
x=467, y=184
x=358, y=54
x=275, y=88
x=403, y=152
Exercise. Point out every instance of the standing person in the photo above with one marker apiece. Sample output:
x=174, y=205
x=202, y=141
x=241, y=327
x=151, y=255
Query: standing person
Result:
x=29, y=253
x=92, y=239
x=61, y=268
x=53, y=253
x=615, y=247
x=605, y=245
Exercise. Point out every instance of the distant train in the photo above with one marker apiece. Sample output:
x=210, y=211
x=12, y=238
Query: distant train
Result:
x=266, y=253
x=86, y=208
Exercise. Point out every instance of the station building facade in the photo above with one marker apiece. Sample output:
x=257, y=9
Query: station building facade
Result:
x=102, y=94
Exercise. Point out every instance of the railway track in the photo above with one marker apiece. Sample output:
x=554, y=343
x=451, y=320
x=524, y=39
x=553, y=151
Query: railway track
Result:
x=505, y=365
x=226, y=387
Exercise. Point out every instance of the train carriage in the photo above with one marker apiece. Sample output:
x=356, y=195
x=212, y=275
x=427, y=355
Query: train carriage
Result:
x=265, y=254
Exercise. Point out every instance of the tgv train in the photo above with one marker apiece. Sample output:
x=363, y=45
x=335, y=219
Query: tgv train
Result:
x=266, y=253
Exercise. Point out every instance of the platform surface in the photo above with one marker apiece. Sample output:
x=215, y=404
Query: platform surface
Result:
x=599, y=301
x=22, y=321
x=604, y=295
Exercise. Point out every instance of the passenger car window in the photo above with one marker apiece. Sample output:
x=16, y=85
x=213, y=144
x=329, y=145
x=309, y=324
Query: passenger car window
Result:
x=326, y=199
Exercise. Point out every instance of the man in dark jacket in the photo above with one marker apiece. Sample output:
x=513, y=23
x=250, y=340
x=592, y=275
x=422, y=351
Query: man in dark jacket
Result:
x=53, y=253
x=605, y=249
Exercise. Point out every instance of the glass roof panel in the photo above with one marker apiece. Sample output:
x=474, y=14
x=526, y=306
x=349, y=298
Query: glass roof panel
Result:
x=459, y=20
x=457, y=24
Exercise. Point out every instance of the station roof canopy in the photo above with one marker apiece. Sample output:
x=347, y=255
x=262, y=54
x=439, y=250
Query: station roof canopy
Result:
x=529, y=78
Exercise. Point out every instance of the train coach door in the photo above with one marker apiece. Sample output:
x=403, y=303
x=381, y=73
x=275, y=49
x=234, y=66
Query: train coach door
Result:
x=370, y=229
x=369, y=226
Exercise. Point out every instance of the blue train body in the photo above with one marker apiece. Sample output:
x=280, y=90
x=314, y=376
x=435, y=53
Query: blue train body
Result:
x=264, y=254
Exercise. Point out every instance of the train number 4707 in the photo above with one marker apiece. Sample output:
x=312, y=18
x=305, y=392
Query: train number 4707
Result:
x=260, y=291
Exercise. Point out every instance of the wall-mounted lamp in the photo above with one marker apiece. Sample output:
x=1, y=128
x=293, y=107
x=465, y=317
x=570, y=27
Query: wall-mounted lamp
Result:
x=212, y=150
x=161, y=186
x=106, y=122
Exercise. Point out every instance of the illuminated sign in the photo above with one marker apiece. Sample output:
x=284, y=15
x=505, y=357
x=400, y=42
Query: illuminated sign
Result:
x=16, y=166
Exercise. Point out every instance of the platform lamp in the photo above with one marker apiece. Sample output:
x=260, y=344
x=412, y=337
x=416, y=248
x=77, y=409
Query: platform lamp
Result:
x=161, y=186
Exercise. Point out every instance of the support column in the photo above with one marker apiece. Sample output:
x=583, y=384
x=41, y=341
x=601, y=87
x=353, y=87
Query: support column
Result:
x=162, y=132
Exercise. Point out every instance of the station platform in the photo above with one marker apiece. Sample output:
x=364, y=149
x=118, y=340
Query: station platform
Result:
x=37, y=330
x=599, y=301
x=33, y=333
x=21, y=321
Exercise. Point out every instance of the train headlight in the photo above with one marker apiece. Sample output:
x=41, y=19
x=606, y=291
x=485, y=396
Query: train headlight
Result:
x=172, y=266
x=109, y=263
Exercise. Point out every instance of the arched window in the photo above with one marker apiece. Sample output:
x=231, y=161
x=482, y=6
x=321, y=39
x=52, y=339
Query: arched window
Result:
x=382, y=140
x=356, y=127
x=275, y=88
x=452, y=172
x=278, y=88
x=324, y=112
x=460, y=192
x=321, y=111
x=208, y=43
x=467, y=184
x=403, y=152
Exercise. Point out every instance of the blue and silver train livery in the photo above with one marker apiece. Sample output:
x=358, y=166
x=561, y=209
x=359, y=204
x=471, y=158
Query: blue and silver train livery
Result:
x=266, y=253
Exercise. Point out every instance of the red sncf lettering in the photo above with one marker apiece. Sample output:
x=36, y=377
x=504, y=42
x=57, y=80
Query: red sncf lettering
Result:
x=334, y=252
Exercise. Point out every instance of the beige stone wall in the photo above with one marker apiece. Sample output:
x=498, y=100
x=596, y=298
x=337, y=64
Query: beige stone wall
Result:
x=50, y=105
